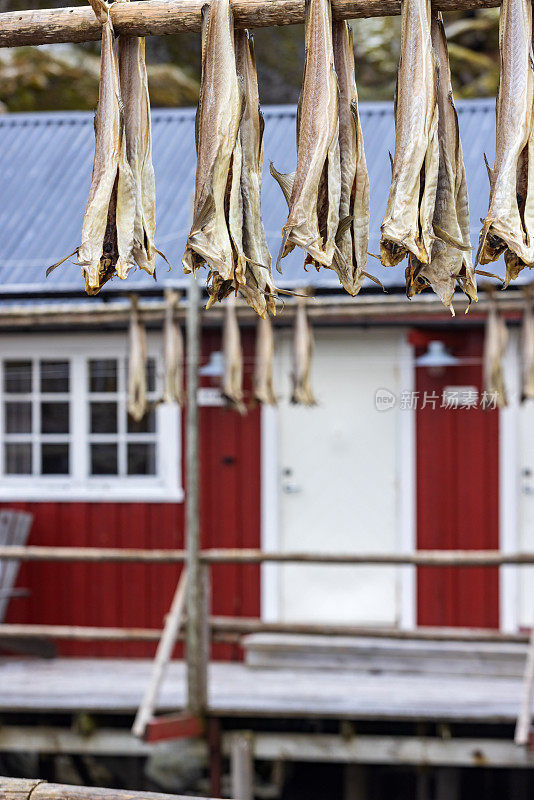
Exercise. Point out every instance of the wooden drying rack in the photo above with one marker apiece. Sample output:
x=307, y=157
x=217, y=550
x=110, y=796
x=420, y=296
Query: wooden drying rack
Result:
x=161, y=17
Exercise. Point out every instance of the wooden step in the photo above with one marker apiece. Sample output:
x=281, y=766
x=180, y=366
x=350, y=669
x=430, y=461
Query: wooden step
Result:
x=377, y=656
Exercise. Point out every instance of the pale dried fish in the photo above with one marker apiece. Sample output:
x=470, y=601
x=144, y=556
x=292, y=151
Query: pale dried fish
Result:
x=407, y=225
x=495, y=341
x=263, y=365
x=137, y=366
x=509, y=224
x=313, y=191
x=217, y=124
x=232, y=388
x=450, y=252
x=353, y=233
x=173, y=352
x=527, y=348
x=108, y=225
x=302, y=393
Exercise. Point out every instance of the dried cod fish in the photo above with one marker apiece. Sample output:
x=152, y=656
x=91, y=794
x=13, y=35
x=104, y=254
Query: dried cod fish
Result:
x=263, y=365
x=253, y=276
x=137, y=362
x=450, y=252
x=407, y=225
x=313, y=191
x=509, y=224
x=173, y=353
x=108, y=225
x=217, y=123
x=353, y=235
x=495, y=341
x=302, y=393
x=232, y=389
x=527, y=348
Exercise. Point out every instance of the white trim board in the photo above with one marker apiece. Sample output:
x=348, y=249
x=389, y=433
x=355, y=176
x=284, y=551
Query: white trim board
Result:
x=406, y=493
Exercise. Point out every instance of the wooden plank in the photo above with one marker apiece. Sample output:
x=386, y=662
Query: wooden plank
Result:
x=174, y=726
x=18, y=789
x=160, y=17
x=161, y=659
x=242, y=766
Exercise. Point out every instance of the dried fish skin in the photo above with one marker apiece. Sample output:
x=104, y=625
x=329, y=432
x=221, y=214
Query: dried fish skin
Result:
x=258, y=274
x=137, y=132
x=317, y=146
x=302, y=393
x=137, y=361
x=407, y=225
x=263, y=366
x=217, y=124
x=450, y=253
x=509, y=223
x=173, y=353
x=527, y=349
x=353, y=240
x=495, y=342
x=232, y=388
x=112, y=185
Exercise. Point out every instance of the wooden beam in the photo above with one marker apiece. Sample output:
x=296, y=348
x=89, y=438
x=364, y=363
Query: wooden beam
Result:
x=18, y=789
x=160, y=17
x=524, y=721
x=242, y=766
x=174, y=726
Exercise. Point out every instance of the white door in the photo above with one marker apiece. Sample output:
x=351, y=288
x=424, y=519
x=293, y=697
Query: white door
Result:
x=339, y=478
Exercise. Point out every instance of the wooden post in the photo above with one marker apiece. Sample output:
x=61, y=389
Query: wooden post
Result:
x=242, y=766
x=195, y=600
x=163, y=655
x=525, y=713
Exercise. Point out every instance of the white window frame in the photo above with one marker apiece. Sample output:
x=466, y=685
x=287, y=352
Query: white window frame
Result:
x=79, y=348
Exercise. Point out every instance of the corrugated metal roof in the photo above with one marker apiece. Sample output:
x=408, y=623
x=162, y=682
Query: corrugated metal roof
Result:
x=45, y=169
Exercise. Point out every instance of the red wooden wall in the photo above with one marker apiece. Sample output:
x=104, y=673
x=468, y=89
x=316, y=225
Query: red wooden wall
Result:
x=137, y=595
x=457, y=489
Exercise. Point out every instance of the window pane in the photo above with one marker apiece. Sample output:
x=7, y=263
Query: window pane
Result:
x=141, y=458
x=18, y=417
x=54, y=376
x=54, y=417
x=17, y=376
x=103, y=375
x=55, y=459
x=18, y=458
x=104, y=459
x=103, y=417
x=145, y=425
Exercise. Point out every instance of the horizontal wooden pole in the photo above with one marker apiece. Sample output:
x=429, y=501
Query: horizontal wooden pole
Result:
x=227, y=628
x=22, y=789
x=422, y=558
x=159, y=17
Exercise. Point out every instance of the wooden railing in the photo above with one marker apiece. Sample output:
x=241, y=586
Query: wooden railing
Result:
x=20, y=789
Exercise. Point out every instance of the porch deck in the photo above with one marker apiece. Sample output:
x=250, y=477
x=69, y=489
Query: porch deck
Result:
x=116, y=686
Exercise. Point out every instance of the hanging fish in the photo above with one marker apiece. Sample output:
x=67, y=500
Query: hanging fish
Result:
x=407, y=225
x=216, y=129
x=108, y=226
x=509, y=224
x=232, y=389
x=263, y=365
x=302, y=393
x=527, y=348
x=137, y=366
x=313, y=191
x=137, y=132
x=353, y=234
x=450, y=251
x=173, y=353
x=495, y=341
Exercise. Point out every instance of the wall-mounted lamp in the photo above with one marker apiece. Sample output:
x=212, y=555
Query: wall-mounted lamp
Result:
x=436, y=358
x=215, y=366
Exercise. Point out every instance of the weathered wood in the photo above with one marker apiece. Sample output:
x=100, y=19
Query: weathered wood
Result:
x=435, y=558
x=171, y=629
x=242, y=766
x=160, y=17
x=524, y=720
x=17, y=789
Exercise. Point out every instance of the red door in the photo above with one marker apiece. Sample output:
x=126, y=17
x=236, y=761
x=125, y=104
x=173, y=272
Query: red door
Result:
x=457, y=486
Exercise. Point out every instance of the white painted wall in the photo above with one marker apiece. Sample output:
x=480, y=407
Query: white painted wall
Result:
x=525, y=575
x=345, y=473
